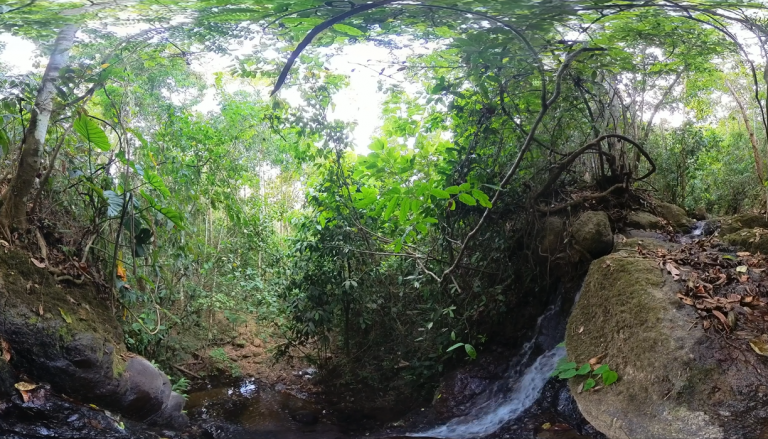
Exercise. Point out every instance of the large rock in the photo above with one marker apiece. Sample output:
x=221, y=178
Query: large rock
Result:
x=592, y=233
x=674, y=381
x=736, y=223
x=7, y=379
x=643, y=221
x=751, y=240
x=69, y=339
x=551, y=236
x=675, y=215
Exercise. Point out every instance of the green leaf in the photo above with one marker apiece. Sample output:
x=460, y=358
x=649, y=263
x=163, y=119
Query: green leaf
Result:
x=64, y=315
x=588, y=384
x=561, y=344
x=156, y=182
x=585, y=369
x=454, y=347
x=609, y=377
x=349, y=30
x=114, y=203
x=439, y=193
x=5, y=142
x=391, y=207
x=601, y=369
x=453, y=190
x=470, y=351
x=92, y=132
x=565, y=366
x=174, y=216
x=404, y=209
x=465, y=187
x=482, y=198
x=570, y=373
x=467, y=199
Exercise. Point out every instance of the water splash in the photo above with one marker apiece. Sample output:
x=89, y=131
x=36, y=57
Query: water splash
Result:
x=489, y=417
x=519, y=389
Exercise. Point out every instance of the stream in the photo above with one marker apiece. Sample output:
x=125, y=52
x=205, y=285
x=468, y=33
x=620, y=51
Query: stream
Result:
x=517, y=401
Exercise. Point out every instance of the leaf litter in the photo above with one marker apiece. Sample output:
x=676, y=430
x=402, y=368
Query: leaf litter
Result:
x=728, y=290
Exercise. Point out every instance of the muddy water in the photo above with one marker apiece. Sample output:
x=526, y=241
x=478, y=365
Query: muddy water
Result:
x=251, y=409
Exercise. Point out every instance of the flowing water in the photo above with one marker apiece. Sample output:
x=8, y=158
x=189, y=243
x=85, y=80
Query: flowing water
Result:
x=519, y=389
x=259, y=411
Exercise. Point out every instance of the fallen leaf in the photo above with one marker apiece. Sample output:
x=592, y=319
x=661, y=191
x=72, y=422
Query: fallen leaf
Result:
x=741, y=269
x=685, y=299
x=760, y=345
x=37, y=263
x=722, y=318
x=581, y=329
x=673, y=271
x=121, y=274
x=66, y=317
x=25, y=386
x=596, y=360
x=561, y=427
x=4, y=243
x=706, y=324
x=743, y=254
x=6, y=347
x=546, y=426
x=40, y=310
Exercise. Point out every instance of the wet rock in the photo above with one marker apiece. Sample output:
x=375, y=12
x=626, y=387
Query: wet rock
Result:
x=700, y=214
x=674, y=382
x=74, y=343
x=675, y=215
x=459, y=388
x=751, y=240
x=305, y=417
x=592, y=233
x=7, y=380
x=47, y=415
x=552, y=236
x=643, y=221
x=736, y=223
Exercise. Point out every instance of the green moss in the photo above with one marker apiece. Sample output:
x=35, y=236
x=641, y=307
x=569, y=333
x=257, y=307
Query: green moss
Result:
x=118, y=366
x=750, y=240
x=65, y=336
x=743, y=221
x=617, y=316
x=33, y=320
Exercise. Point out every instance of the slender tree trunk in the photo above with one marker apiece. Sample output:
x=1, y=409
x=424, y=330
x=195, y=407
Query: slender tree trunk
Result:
x=13, y=210
x=751, y=131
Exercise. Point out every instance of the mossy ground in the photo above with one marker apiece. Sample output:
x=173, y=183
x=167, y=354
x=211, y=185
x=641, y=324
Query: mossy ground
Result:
x=26, y=289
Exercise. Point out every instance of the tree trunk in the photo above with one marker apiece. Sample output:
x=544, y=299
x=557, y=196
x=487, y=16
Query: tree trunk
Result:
x=13, y=210
x=751, y=132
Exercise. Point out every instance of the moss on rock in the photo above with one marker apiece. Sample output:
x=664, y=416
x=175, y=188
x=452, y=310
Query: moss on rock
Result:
x=675, y=215
x=751, y=240
x=730, y=225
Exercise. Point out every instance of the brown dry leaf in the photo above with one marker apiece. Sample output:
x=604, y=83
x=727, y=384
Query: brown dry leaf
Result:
x=6, y=350
x=121, y=274
x=747, y=299
x=735, y=298
x=37, y=263
x=673, y=270
x=744, y=279
x=722, y=280
x=596, y=360
x=743, y=254
x=40, y=310
x=685, y=299
x=706, y=324
x=722, y=318
x=581, y=329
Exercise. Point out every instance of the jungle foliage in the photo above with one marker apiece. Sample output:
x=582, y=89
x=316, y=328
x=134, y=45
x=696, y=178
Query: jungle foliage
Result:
x=387, y=265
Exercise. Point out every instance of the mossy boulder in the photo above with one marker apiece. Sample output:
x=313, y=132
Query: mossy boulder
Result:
x=674, y=381
x=675, y=215
x=751, y=240
x=66, y=336
x=643, y=221
x=742, y=221
x=551, y=236
x=592, y=233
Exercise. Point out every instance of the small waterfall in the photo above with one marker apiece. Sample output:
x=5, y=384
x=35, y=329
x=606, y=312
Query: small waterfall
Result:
x=518, y=390
x=489, y=417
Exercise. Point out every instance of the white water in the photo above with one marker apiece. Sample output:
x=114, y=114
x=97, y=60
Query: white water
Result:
x=503, y=404
x=489, y=417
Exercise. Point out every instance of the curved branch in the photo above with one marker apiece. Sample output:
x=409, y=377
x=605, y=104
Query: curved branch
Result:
x=579, y=200
x=317, y=30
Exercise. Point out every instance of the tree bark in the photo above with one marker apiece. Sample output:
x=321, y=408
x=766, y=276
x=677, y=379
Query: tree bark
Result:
x=751, y=131
x=13, y=210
